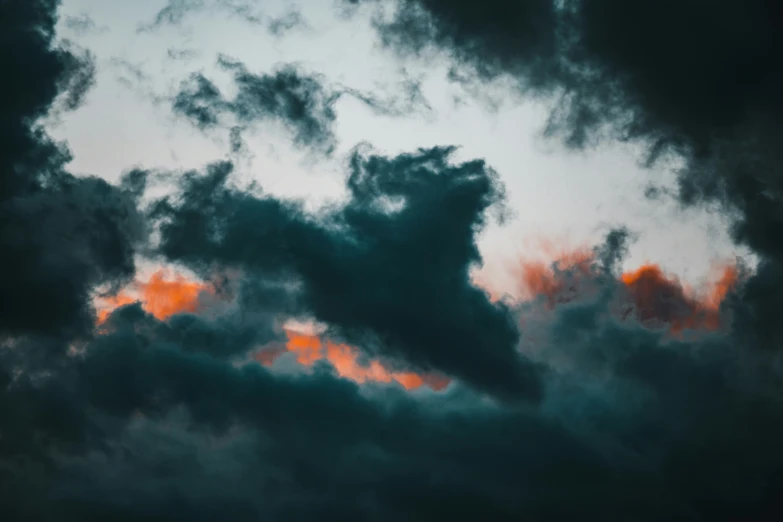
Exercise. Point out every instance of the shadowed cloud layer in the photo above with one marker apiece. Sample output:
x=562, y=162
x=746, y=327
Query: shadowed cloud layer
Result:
x=600, y=396
x=378, y=267
x=61, y=235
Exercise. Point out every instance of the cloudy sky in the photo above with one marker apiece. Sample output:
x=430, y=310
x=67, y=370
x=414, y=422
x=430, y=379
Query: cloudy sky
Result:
x=144, y=51
x=384, y=260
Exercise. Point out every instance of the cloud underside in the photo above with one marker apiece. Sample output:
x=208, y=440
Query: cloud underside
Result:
x=559, y=413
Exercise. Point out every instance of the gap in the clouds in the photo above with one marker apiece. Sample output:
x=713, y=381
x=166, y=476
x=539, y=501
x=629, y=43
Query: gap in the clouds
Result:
x=551, y=191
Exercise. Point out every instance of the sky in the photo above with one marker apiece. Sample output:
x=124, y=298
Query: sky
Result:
x=572, y=197
x=375, y=260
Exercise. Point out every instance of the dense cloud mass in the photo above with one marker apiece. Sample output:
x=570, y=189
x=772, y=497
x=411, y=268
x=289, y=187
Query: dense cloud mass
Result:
x=602, y=396
x=694, y=80
x=408, y=232
x=711, y=71
x=61, y=235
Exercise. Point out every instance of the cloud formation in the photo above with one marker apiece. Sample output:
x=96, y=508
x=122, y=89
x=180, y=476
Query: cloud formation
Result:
x=689, y=80
x=61, y=235
x=558, y=409
x=709, y=72
x=407, y=233
x=300, y=101
x=287, y=96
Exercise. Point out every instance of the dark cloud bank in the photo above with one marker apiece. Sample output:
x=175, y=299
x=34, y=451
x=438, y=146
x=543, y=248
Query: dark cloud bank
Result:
x=151, y=420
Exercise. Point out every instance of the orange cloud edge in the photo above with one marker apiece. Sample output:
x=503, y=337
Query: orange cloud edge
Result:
x=651, y=296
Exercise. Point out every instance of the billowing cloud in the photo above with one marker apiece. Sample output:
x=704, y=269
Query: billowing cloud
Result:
x=599, y=395
x=628, y=415
x=61, y=235
x=379, y=266
x=674, y=90
x=692, y=80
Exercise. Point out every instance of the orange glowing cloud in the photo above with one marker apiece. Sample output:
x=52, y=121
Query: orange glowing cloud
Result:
x=310, y=348
x=660, y=298
x=166, y=294
x=651, y=296
x=727, y=279
x=558, y=281
x=163, y=295
x=108, y=304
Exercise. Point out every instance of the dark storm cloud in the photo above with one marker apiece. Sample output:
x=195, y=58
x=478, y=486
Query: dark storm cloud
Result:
x=707, y=73
x=288, y=446
x=222, y=337
x=383, y=264
x=493, y=37
x=170, y=420
x=61, y=235
x=632, y=428
x=61, y=240
x=687, y=72
x=696, y=80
